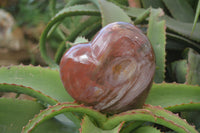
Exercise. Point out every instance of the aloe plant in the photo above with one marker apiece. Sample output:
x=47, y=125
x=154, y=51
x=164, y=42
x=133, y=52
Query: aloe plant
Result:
x=173, y=97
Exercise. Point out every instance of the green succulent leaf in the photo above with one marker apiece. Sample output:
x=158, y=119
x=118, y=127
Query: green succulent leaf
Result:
x=142, y=16
x=173, y=94
x=41, y=83
x=196, y=16
x=180, y=9
x=171, y=117
x=130, y=126
x=177, y=27
x=157, y=36
x=61, y=108
x=147, y=129
x=179, y=70
x=192, y=117
x=134, y=12
x=108, y=12
x=152, y=3
x=91, y=30
x=88, y=127
x=193, y=75
x=80, y=40
x=44, y=80
x=75, y=33
x=151, y=114
x=66, y=12
x=172, y=24
x=19, y=89
x=76, y=2
x=15, y=113
x=192, y=106
x=177, y=42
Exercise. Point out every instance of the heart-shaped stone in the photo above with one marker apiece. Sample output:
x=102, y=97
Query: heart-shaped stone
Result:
x=113, y=72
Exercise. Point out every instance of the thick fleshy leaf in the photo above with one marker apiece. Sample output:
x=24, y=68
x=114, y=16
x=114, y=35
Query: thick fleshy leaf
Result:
x=108, y=12
x=19, y=89
x=15, y=113
x=174, y=118
x=41, y=83
x=193, y=75
x=152, y=114
x=152, y=3
x=157, y=36
x=44, y=80
x=147, y=129
x=142, y=16
x=179, y=70
x=66, y=12
x=177, y=27
x=192, y=106
x=61, y=108
x=72, y=36
x=172, y=24
x=172, y=94
x=130, y=126
x=80, y=40
x=196, y=16
x=180, y=9
x=177, y=42
x=91, y=30
x=192, y=117
x=134, y=12
x=88, y=127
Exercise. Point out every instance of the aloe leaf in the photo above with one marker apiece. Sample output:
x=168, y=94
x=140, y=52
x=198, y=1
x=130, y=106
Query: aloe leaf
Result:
x=174, y=118
x=142, y=16
x=91, y=30
x=180, y=9
x=180, y=42
x=15, y=113
x=157, y=36
x=147, y=129
x=134, y=12
x=73, y=35
x=196, y=16
x=108, y=12
x=71, y=11
x=45, y=80
x=76, y=2
x=185, y=107
x=130, y=126
x=120, y=2
x=152, y=114
x=193, y=75
x=171, y=94
x=172, y=24
x=152, y=3
x=80, y=40
x=19, y=89
x=52, y=5
x=88, y=127
x=179, y=70
x=182, y=28
x=42, y=83
x=61, y=108
x=192, y=117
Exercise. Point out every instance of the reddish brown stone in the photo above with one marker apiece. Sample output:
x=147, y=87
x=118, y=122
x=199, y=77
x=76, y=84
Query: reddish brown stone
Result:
x=113, y=72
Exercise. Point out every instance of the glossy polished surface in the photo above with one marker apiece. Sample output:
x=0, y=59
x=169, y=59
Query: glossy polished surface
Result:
x=113, y=72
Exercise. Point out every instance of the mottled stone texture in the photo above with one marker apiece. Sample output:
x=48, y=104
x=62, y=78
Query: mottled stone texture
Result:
x=113, y=72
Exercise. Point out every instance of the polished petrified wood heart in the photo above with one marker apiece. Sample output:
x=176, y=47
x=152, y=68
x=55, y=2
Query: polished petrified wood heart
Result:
x=113, y=72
